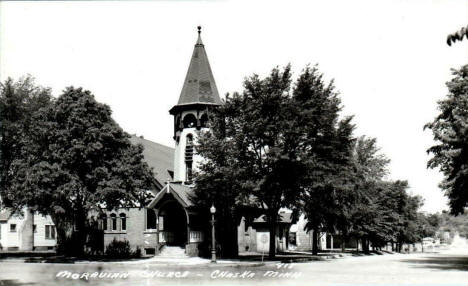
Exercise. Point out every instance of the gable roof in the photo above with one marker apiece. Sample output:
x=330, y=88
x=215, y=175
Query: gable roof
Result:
x=5, y=214
x=157, y=156
x=199, y=85
x=283, y=217
x=180, y=192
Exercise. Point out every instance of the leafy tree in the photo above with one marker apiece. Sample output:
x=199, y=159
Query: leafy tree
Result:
x=255, y=142
x=18, y=102
x=323, y=143
x=450, y=130
x=76, y=159
x=218, y=178
x=428, y=224
x=372, y=214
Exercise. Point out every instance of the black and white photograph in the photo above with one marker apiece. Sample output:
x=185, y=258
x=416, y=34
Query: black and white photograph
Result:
x=234, y=142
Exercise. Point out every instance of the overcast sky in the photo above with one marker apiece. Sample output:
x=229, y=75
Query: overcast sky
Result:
x=389, y=59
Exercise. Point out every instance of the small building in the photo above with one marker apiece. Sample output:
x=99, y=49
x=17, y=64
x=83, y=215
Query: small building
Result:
x=27, y=231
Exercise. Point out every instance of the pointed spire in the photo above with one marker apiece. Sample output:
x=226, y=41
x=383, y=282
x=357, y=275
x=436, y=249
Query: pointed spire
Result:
x=199, y=85
x=199, y=41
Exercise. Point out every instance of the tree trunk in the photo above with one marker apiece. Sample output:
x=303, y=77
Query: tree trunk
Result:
x=315, y=241
x=71, y=235
x=365, y=245
x=228, y=238
x=273, y=223
x=343, y=243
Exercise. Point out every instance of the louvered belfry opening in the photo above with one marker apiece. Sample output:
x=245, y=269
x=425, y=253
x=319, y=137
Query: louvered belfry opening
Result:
x=189, y=157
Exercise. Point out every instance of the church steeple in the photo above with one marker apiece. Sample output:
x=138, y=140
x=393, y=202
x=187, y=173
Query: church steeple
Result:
x=199, y=85
x=199, y=94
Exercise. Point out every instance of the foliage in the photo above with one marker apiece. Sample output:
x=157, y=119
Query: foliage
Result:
x=453, y=224
x=18, y=102
x=450, y=130
x=250, y=150
x=324, y=145
x=457, y=36
x=74, y=159
x=120, y=249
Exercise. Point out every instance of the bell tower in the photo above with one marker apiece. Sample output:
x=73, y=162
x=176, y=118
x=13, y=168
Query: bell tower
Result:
x=199, y=94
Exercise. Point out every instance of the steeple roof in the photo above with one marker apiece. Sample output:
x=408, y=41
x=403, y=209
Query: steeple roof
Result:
x=199, y=85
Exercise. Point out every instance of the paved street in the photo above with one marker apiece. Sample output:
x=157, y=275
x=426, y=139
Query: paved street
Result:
x=397, y=269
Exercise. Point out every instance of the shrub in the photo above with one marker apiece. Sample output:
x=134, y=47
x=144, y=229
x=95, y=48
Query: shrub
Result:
x=119, y=249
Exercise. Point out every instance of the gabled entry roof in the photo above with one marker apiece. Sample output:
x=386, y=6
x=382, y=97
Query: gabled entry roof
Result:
x=180, y=192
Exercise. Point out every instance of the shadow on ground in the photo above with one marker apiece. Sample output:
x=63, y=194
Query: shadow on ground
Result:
x=11, y=282
x=440, y=262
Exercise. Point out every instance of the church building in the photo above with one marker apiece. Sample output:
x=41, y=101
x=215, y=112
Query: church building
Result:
x=171, y=218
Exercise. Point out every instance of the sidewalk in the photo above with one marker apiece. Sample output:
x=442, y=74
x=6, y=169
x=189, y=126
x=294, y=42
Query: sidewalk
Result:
x=248, y=259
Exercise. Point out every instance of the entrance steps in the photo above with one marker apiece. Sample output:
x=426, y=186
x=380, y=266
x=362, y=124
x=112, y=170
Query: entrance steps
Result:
x=172, y=252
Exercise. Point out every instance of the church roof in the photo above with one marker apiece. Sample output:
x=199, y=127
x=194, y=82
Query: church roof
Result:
x=157, y=156
x=199, y=85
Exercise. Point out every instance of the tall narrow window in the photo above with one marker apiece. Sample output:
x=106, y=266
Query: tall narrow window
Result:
x=189, y=158
x=204, y=120
x=123, y=222
x=150, y=219
x=104, y=222
x=114, y=221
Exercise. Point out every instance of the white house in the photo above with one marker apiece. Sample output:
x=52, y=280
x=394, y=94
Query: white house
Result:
x=26, y=232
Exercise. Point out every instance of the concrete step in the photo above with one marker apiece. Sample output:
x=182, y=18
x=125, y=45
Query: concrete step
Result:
x=172, y=252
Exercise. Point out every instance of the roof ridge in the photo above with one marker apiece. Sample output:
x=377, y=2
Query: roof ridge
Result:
x=151, y=141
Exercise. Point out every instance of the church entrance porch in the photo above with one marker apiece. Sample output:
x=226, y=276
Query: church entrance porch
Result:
x=173, y=226
x=178, y=224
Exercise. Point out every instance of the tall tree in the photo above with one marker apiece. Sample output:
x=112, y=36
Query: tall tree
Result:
x=450, y=131
x=323, y=143
x=76, y=159
x=258, y=142
x=18, y=102
x=218, y=179
x=371, y=213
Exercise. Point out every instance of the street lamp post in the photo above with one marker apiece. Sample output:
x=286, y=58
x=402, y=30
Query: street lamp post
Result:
x=213, y=239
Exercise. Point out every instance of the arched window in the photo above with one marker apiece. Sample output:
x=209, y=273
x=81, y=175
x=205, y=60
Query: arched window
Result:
x=190, y=121
x=123, y=222
x=114, y=221
x=104, y=222
x=150, y=219
x=189, y=158
x=204, y=120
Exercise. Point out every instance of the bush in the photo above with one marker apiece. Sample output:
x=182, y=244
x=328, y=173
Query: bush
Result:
x=137, y=253
x=119, y=249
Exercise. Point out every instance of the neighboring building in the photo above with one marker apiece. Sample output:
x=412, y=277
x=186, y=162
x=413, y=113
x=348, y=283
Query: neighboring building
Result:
x=171, y=218
x=26, y=231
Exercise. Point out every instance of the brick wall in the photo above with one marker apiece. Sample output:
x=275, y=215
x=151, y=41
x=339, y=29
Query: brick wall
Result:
x=136, y=233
